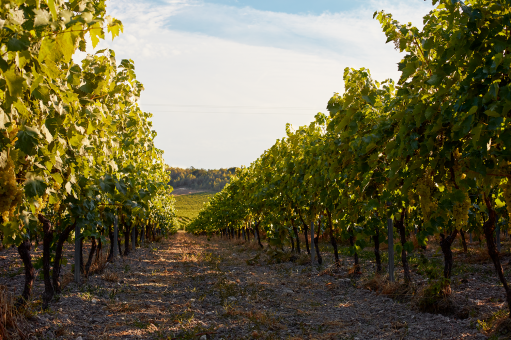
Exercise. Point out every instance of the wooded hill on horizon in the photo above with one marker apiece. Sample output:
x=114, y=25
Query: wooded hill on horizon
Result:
x=210, y=179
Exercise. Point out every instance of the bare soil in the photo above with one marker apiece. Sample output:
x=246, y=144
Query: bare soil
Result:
x=189, y=287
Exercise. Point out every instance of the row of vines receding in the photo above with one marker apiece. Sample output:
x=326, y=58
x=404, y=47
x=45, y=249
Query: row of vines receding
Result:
x=429, y=155
x=76, y=150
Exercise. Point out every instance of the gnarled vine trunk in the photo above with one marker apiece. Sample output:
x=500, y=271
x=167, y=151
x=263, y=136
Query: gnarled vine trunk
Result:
x=420, y=230
x=355, y=256
x=445, y=244
x=316, y=244
x=109, y=258
x=305, y=228
x=376, y=239
x=127, y=236
x=91, y=256
x=82, y=263
x=489, y=229
x=297, y=237
x=463, y=241
x=119, y=249
x=332, y=238
x=24, y=251
x=306, y=240
x=99, y=250
x=291, y=239
x=256, y=231
x=47, y=239
x=58, y=257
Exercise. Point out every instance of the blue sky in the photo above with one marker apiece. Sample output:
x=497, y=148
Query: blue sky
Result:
x=315, y=7
x=223, y=78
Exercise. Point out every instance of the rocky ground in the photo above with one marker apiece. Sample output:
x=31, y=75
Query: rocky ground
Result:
x=190, y=287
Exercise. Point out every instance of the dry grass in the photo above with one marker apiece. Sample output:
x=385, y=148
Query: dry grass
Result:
x=398, y=290
x=99, y=264
x=413, y=238
x=12, y=323
x=375, y=283
x=328, y=271
x=122, y=307
x=61, y=331
x=110, y=276
x=238, y=242
x=67, y=278
x=278, y=256
x=259, y=318
x=502, y=328
x=355, y=270
x=435, y=297
x=252, y=245
x=303, y=259
x=478, y=255
x=385, y=246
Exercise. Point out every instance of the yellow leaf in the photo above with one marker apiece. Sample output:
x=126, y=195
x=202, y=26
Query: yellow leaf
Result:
x=53, y=10
x=96, y=32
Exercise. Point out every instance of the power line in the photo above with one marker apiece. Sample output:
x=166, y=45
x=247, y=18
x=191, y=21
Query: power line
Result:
x=224, y=107
x=237, y=113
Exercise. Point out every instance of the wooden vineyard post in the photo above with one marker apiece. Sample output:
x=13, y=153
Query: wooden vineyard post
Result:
x=391, y=249
x=116, y=250
x=134, y=238
x=470, y=237
x=312, y=242
x=77, y=253
x=142, y=237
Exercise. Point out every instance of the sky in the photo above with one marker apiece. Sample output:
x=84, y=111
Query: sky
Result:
x=223, y=77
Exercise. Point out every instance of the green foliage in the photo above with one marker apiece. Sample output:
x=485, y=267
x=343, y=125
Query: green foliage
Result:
x=188, y=206
x=200, y=179
x=488, y=323
x=435, y=297
x=73, y=136
x=431, y=268
x=430, y=151
x=75, y=147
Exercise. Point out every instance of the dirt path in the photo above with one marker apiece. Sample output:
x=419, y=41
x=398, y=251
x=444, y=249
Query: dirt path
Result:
x=191, y=288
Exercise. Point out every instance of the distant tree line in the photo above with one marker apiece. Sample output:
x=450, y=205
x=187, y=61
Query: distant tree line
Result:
x=200, y=178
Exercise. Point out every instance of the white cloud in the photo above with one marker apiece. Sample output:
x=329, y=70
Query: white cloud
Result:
x=209, y=58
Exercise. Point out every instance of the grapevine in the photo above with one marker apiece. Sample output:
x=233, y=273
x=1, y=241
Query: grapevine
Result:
x=425, y=186
x=10, y=193
x=506, y=188
x=461, y=211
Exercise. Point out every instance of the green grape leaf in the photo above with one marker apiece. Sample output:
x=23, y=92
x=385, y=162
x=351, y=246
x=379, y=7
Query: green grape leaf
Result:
x=35, y=187
x=17, y=44
x=3, y=65
x=107, y=185
x=476, y=133
x=435, y=79
x=96, y=33
x=57, y=177
x=42, y=17
x=15, y=83
x=53, y=9
x=28, y=140
x=491, y=113
x=398, y=248
x=408, y=246
x=121, y=187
